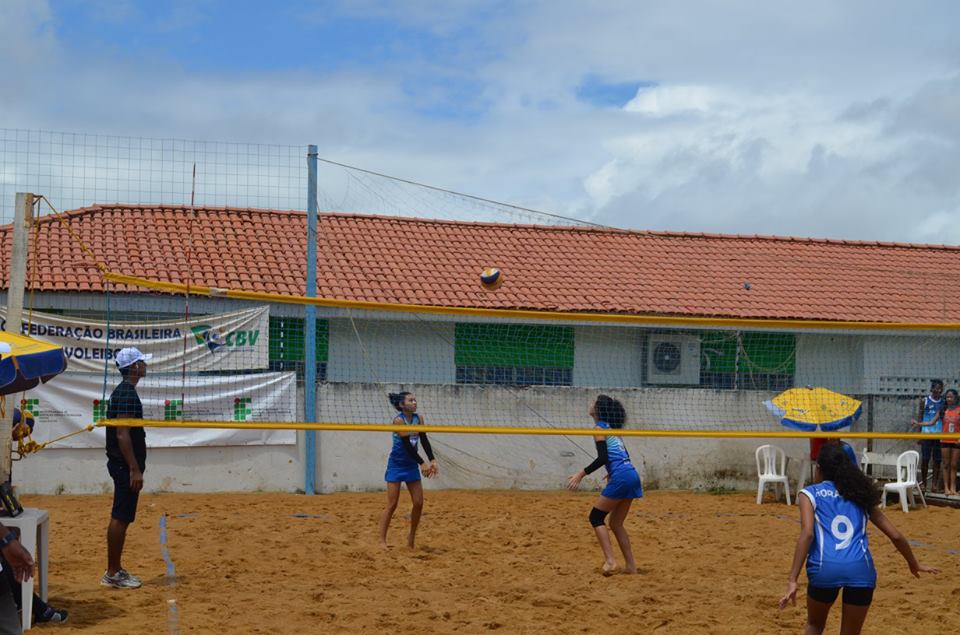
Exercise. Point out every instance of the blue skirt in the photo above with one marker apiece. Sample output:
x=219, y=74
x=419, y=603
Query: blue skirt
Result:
x=622, y=485
x=854, y=573
x=401, y=473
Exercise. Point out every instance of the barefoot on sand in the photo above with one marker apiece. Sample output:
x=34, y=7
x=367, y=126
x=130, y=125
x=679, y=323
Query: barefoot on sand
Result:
x=609, y=570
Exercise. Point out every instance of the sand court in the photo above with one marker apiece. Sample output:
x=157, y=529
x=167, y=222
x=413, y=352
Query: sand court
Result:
x=511, y=561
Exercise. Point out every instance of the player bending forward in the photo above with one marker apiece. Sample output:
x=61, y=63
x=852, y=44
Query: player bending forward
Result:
x=833, y=541
x=622, y=487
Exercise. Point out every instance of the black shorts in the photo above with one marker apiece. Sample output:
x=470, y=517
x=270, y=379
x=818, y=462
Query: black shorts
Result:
x=947, y=446
x=855, y=595
x=124, y=499
x=930, y=449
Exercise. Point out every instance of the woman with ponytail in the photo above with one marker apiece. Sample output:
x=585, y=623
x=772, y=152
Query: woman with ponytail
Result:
x=405, y=465
x=623, y=485
x=833, y=541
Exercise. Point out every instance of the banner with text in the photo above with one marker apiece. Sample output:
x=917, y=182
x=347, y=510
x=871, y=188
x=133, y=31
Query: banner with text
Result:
x=73, y=401
x=224, y=341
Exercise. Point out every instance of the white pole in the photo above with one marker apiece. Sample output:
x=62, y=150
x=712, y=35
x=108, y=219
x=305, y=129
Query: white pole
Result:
x=23, y=213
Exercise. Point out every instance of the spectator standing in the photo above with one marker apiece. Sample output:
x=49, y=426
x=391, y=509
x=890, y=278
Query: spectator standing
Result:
x=929, y=420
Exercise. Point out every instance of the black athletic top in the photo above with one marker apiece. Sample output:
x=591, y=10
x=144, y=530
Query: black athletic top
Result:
x=412, y=451
x=125, y=404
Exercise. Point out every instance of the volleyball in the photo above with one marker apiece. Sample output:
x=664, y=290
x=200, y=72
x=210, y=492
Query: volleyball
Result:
x=491, y=278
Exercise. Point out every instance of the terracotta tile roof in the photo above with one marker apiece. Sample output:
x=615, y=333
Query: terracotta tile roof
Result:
x=420, y=261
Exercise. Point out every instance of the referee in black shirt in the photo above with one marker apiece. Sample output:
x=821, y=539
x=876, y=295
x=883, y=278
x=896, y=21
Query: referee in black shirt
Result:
x=126, y=461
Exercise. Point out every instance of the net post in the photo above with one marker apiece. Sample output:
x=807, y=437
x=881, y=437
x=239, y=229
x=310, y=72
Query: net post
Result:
x=23, y=212
x=310, y=328
x=870, y=424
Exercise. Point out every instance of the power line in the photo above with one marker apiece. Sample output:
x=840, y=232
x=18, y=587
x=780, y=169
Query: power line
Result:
x=469, y=196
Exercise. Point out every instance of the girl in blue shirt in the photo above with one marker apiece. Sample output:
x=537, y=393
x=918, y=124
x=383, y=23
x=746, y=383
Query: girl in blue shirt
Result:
x=406, y=466
x=622, y=487
x=833, y=542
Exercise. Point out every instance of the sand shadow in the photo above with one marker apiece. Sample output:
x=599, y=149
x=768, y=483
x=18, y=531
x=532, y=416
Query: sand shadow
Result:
x=89, y=612
x=162, y=581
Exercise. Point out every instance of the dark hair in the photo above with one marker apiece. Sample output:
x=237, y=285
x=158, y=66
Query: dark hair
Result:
x=853, y=485
x=397, y=399
x=936, y=382
x=125, y=371
x=956, y=397
x=610, y=410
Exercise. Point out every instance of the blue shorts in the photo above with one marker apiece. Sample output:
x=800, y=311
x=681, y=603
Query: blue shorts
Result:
x=622, y=485
x=402, y=473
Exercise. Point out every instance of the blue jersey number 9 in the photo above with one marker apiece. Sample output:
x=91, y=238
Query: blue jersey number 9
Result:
x=842, y=530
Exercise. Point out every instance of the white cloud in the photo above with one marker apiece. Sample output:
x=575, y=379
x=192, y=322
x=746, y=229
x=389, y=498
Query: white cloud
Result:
x=831, y=119
x=664, y=101
x=798, y=164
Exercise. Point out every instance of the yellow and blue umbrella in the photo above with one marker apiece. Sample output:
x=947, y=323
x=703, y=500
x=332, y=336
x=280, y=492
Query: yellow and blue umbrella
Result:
x=810, y=408
x=25, y=362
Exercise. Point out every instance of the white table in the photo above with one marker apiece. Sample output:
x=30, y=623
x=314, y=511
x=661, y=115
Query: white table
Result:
x=885, y=465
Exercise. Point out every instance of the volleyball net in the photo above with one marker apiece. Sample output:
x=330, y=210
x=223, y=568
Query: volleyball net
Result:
x=230, y=349
x=238, y=360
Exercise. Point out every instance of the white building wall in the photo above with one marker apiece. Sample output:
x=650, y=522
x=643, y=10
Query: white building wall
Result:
x=607, y=356
x=356, y=461
x=904, y=365
x=382, y=351
x=200, y=469
x=422, y=360
x=830, y=361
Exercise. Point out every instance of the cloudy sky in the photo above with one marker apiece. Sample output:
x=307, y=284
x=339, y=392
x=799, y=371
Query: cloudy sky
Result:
x=823, y=118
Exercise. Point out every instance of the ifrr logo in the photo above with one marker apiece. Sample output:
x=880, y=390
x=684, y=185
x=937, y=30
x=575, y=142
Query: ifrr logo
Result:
x=173, y=409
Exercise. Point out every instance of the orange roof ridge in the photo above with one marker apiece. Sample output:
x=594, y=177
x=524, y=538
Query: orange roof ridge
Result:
x=649, y=232
x=105, y=207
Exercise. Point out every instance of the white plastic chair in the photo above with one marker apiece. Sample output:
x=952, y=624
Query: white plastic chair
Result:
x=34, y=526
x=771, y=468
x=906, y=480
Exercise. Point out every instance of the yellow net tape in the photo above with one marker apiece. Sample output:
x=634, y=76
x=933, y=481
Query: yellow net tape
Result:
x=617, y=318
x=579, y=432
x=26, y=445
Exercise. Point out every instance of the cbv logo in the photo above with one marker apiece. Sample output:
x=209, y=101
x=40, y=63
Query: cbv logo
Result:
x=213, y=339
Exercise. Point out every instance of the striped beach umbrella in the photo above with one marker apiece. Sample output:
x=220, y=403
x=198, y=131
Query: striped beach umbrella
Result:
x=809, y=409
x=25, y=362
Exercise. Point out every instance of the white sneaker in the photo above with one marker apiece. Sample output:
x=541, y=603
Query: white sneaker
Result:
x=121, y=580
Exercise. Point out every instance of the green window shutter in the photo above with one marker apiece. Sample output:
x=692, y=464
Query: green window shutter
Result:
x=514, y=345
x=770, y=353
x=718, y=352
x=286, y=339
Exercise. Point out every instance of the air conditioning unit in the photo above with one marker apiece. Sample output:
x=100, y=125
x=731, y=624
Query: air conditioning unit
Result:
x=673, y=359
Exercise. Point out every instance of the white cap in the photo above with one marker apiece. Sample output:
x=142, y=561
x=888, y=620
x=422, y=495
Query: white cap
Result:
x=129, y=356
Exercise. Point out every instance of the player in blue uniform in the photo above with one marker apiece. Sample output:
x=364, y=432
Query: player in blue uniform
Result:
x=622, y=487
x=406, y=466
x=930, y=421
x=833, y=542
